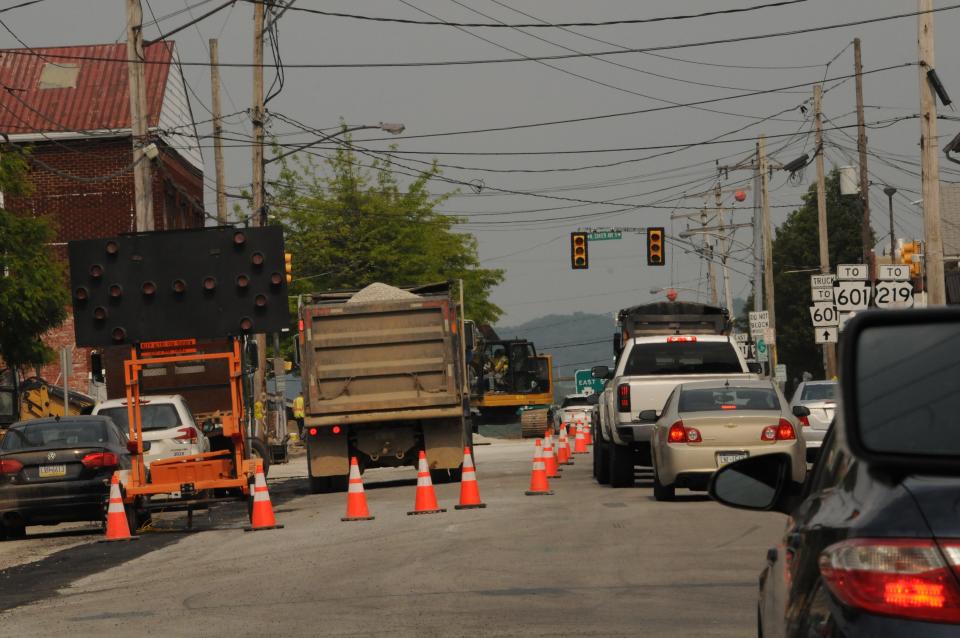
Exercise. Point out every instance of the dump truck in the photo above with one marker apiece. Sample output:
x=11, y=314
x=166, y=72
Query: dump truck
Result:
x=383, y=373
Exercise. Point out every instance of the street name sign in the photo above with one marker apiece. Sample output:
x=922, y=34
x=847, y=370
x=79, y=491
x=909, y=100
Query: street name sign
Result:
x=600, y=235
x=893, y=272
x=823, y=315
x=852, y=295
x=853, y=272
x=825, y=335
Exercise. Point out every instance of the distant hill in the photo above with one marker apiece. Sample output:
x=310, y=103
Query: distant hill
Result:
x=576, y=341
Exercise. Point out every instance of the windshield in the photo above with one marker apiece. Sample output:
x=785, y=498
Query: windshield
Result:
x=57, y=434
x=570, y=401
x=159, y=416
x=728, y=398
x=819, y=392
x=682, y=358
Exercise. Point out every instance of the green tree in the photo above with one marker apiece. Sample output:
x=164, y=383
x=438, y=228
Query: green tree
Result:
x=349, y=226
x=796, y=248
x=33, y=295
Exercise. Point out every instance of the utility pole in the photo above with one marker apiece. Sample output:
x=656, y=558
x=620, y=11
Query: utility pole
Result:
x=890, y=191
x=829, y=350
x=142, y=187
x=217, y=130
x=864, y=177
x=929, y=161
x=258, y=216
x=767, y=245
x=708, y=255
x=757, y=239
x=724, y=250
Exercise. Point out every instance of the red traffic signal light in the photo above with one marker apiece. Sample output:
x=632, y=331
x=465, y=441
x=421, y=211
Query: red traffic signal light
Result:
x=579, y=257
x=655, y=252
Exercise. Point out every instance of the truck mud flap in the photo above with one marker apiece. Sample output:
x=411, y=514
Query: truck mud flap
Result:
x=443, y=441
x=328, y=454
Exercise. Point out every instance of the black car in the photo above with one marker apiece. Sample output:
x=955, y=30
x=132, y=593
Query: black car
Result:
x=57, y=470
x=872, y=544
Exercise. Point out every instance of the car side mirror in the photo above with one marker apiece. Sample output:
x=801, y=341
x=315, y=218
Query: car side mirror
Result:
x=648, y=415
x=754, y=367
x=801, y=411
x=601, y=372
x=762, y=483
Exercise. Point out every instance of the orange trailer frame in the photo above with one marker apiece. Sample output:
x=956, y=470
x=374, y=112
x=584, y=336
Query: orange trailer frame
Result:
x=198, y=472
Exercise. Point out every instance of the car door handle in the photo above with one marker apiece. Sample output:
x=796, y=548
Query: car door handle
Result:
x=793, y=541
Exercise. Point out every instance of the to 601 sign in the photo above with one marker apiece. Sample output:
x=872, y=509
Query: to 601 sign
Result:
x=852, y=295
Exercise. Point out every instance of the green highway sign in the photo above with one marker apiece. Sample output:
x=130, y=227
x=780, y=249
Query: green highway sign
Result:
x=583, y=379
x=600, y=235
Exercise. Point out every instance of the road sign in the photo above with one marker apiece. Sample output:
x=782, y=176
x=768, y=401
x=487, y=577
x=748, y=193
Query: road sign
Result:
x=599, y=235
x=820, y=295
x=763, y=355
x=758, y=321
x=769, y=336
x=741, y=337
x=843, y=318
x=780, y=373
x=893, y=272
x=852, y=295
x=853, y=272
x=822, y=281
x=583, y=381
x=825, y=335
x=823, y=315
x=894, y=294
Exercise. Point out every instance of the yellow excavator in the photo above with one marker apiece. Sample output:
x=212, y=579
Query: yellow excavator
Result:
x=33, y=398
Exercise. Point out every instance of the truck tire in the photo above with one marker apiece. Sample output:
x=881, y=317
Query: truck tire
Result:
x=259, y=451
x=328, y=484
x=601, y=462
x=662, y=492
x=621, y=466
x=441, y=477
x=533, y=423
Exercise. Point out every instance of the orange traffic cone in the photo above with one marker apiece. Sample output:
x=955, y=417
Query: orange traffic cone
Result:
x=550, y=459
x=356, y=498
x=261, y=514
x=567, y=455
x=426, y=501
x=587, y=434
x=539, y=486
x=117, y=527
x=580, y=446
x=469, y=488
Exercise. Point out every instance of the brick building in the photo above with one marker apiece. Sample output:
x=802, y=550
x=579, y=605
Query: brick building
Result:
x=71, y=107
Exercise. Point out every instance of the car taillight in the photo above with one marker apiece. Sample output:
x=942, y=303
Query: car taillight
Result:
x=313, y=431
x=9, y=466
x=804, y=421
x=100, y=459
x=908, y=578
x=132, y=447
x=623, y=397
x=679, y=433
x=783, y=431
x=683, y=339
x=188, y=435
x=336, y=429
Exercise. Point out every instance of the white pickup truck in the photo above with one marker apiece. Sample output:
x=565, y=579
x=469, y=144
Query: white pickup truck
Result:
x=648, y=368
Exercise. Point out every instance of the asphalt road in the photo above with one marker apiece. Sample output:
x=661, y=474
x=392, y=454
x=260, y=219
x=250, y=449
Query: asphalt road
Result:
x=588, y=561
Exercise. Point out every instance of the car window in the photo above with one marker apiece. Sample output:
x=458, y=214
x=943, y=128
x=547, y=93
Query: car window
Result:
x=728, y=398
x=55, y=434
x=685, y=357
x=819, y=392
x=569, y=401
x=156, y=416
x=831, y=466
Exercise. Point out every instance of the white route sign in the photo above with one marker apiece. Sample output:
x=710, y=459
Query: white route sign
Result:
x=894, y=294
x=822, y=281
x=893, y=272
x=825, y=335
x=758, y=321
x=741, y=337
x=853, y=272
x=852, y=295
x=820, y=295
x=769, y=336
x=823, y=315
x=780, y=373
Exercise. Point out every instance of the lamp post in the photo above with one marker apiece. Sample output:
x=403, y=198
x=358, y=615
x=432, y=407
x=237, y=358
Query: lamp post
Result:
x=394, y=128
x=890, y=191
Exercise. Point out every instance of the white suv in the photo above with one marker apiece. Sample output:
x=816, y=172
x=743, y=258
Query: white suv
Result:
x=167, y=424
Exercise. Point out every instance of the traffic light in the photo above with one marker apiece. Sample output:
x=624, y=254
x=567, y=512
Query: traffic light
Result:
x=655, y=255
x=288, y=266
x=579, y=258
x=910, y=255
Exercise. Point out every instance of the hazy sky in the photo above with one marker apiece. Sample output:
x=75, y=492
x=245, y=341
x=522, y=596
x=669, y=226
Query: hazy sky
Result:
x=527, y=234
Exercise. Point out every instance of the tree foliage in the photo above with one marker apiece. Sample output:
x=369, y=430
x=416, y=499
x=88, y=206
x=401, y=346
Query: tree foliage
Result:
x=796, y=248
x=33, y=294
x=349, y=226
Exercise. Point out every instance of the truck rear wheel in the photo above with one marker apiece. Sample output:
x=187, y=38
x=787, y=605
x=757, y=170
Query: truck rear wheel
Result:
x=259, y=451
x=601, y=462
x=621, y=466
x=328, y=484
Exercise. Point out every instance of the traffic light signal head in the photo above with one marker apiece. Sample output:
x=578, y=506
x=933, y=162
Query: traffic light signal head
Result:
x=288, y=266
x=910, y=255
x=579, y=257
x=655, y=253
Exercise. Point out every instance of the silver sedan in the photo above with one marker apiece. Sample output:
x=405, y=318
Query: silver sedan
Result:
x=819, y=397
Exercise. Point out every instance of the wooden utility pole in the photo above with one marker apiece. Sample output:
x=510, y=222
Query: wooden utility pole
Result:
x=767, y=246
x=142, y=187
x=217, y=130
x=864, y=177
x=259, y=212
x=829, y=349
x=724, y=250
x=708, y=255
x=929, y=161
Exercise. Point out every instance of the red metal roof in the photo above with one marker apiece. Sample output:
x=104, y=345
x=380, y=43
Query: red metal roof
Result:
x=100, y=100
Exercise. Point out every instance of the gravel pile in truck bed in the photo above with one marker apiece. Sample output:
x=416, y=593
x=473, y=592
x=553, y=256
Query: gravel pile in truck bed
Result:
x=381, y=292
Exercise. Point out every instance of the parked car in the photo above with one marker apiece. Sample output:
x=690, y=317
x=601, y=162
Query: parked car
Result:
x=168, y=425
x=819, y=397
x=57, y=470
x=707, y=424
x=870, y=547
x=577, y=407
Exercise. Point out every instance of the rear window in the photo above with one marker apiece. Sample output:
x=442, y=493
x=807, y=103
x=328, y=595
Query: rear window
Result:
x=571, y=401
x=158, y=416
x=702, y=357
x=819, y=392
x=38, y=436
x=724, y=398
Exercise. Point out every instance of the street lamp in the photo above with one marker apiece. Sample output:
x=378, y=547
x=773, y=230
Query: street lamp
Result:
x=394, y=128
x=672, y=291
x=890, y=191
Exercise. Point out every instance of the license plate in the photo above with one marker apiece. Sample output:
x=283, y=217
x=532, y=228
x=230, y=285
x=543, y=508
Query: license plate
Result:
x=729, y=457
x=180, y=453
x=51, y=471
